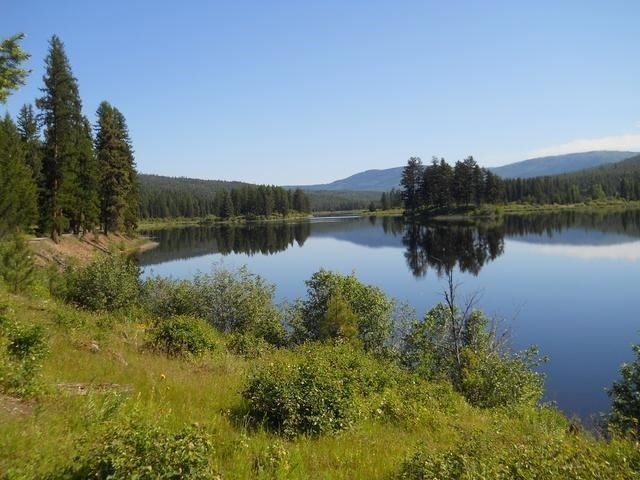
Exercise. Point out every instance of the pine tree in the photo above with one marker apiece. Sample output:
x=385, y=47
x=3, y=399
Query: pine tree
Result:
x=118, y=178
x=411, y=183
x=18, y=269
x=86, y=210
x=18, y=201
x=12, y=75
x=30, y=133
x=64, y=143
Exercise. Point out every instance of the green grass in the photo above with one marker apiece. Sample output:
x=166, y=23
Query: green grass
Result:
x=158, y=223
x=58, y=425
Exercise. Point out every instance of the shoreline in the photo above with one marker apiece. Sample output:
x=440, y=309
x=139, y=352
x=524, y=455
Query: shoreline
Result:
x=83, y=249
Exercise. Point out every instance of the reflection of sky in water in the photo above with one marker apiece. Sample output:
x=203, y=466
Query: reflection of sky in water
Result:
x=574, y=293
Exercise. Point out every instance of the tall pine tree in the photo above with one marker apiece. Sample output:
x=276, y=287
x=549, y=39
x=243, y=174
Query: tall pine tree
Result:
x=66, y=146
x=119, y=201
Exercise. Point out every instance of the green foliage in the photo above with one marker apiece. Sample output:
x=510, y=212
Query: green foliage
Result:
x=18, y=200
x=369, y=304
x=319, y=391
x=554, y=459
x=180, y=336
x=248, y=345
x=68, y=183
x=16, y=265
x=625, y=396
x=339, y=321
x=108, y=283
x=458, y=347
x=22, y=349
x=117, y=170
x=12, y=75
x=145, y=451
x=234, y=301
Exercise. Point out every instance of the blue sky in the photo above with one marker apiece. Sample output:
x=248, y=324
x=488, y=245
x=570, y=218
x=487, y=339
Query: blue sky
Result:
x=307, y=92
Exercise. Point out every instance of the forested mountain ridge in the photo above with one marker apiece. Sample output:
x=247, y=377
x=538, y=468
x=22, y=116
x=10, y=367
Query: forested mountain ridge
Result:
x=386, y=179
x=559, y=164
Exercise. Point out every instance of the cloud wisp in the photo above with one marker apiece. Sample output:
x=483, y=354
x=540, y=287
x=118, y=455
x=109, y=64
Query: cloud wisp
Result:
x=627, y=141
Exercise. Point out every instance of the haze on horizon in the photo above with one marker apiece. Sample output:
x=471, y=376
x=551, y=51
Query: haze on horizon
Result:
x=300, y=93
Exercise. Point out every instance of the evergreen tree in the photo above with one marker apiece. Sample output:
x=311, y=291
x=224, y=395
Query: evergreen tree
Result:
x=411, y=183
x=87, y=209
x=384, y=201
x=64, y=143
x=17, y=265
x=226, y=205
x=30, y=133
x=18, y=201
x=12, y=75
x=118, y=178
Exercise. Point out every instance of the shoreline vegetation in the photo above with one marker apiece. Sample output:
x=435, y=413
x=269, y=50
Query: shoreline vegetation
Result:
x=105, y=375
x=440, y=214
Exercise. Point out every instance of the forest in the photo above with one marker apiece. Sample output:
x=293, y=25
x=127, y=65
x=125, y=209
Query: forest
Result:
x=440, y=185
x=57, y=170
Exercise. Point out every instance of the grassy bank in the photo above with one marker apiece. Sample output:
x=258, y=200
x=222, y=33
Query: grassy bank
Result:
x=159, y=223
x=488, y=211
x=105, y=394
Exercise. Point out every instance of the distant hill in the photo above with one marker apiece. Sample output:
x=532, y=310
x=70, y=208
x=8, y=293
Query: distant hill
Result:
x=320, y=200
x=386, y=179
x=558, y=164
x=369, y=180
x=194, y=185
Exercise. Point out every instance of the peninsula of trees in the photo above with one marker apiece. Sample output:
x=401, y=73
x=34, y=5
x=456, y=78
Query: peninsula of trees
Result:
x=442, y=186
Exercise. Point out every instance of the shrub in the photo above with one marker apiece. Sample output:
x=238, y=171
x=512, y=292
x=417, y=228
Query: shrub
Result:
x=108, y=283
x=145, y=451
x=167, y=297
x=625, y=396
x=459, y=347
x=22, y=349
x=247, y=345
x=555, y=459
x=321, y=391
x=17, y=267
x=180, y=336
x=234, y=301
x=372, y=308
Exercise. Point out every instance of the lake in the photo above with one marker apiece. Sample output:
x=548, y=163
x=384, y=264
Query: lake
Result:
x=568, y=283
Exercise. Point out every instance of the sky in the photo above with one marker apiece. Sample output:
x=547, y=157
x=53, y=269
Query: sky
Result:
x=304, y=92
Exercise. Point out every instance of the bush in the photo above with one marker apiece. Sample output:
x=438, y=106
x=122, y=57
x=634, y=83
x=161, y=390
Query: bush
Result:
x=247, y=345
x=556, y=459
x=22, y=349
x=145, y=451
x=180, y=336
x=625, y=396
x=371, y=307
x=108, y=283
x=167, y=297
x=321, y=391
x=16, y=265
x=459, y=347
x=234, y=301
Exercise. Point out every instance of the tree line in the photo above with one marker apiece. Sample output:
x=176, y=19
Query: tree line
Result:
x=58, y=172
x=195, y=198
x=442, y=186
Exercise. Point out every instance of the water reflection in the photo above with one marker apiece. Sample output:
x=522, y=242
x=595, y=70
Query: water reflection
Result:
x=436, y=246
x=443, y=246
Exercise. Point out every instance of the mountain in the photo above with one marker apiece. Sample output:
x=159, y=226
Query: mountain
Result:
x=386, y=179
x=558, y=164
x=369, y=180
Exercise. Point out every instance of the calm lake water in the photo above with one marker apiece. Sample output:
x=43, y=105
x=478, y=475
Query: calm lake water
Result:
x=568, y=283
